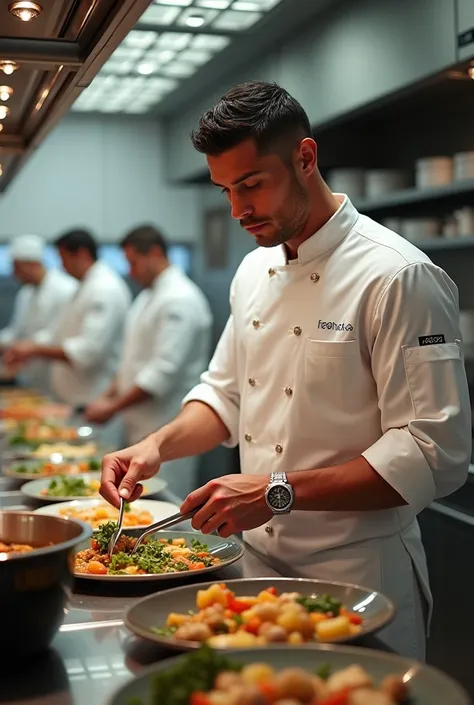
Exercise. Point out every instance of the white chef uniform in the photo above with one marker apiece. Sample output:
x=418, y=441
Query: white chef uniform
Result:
x=91, y=333
x=351, y=349
x=35, y=317
x=166, y=348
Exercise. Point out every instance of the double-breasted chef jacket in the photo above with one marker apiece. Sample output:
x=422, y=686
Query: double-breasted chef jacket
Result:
x=167, y=346
x=91, y=334
x=36, y=312
x=351, y=349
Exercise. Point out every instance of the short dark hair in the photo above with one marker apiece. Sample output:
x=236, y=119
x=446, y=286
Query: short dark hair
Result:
x=144, y=238
x=75, y=240
x=255, y=110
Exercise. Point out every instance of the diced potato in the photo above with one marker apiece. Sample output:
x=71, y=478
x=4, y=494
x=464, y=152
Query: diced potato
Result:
x=214, y=594
x=257, y=673
x=349, y=678
x=101, y=513
x=218, y=697
x=366, y=696
x=249, y=600
x=247, y=615
x=179, y=542
x=238, y=640
x=333, y=628
x=266, y=596
x=296, y=621
x=176, y=620
x=131, y=570
x=295, y=638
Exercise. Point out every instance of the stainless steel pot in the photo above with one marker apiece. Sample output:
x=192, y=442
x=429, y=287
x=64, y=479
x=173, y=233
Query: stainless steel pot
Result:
x=34, y=585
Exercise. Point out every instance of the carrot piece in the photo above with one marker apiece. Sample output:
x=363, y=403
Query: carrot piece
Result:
x=96, y=568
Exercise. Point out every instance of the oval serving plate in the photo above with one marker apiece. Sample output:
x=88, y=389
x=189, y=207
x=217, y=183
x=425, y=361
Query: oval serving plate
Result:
x=152, y=611
x=158, y=510
x=427, y=685
x=33, y=488
x=228, y=550
x=13, y=469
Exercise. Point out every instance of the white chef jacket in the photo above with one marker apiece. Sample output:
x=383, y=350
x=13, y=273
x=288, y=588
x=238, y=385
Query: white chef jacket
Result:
x=352, y=349
x=91, y=332
x=35, y=316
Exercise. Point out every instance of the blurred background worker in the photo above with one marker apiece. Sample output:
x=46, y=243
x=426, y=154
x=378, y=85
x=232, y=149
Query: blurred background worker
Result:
x=167, y=347
x=37, y=306
x=88, y=340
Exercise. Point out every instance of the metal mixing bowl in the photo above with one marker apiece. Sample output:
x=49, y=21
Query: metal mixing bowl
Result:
x=34, y=586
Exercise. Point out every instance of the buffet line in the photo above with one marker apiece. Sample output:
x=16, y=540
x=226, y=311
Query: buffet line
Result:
x=170, y=621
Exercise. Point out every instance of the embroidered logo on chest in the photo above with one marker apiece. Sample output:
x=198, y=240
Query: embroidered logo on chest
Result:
x=332, y=325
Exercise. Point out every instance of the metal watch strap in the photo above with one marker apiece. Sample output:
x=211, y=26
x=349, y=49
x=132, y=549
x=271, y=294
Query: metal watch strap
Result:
x=278, y=477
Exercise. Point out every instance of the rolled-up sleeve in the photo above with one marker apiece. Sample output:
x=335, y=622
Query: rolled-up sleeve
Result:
x=90, y=347
x=219, y=387
x=418, y=366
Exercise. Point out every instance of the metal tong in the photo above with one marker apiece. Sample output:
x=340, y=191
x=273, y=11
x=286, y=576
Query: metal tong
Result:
x=116, y=535
x=164, y=524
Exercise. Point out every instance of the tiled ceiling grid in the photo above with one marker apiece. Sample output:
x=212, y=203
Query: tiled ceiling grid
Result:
x=173, y=40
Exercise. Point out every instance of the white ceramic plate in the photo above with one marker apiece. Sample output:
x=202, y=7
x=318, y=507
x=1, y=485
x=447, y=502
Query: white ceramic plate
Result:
x=33, y=489
x=158, y=510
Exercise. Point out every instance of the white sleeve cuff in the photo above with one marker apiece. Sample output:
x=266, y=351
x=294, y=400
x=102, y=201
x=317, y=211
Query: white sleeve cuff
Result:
x=74, y=351
x=398, y=459
x=225, y=409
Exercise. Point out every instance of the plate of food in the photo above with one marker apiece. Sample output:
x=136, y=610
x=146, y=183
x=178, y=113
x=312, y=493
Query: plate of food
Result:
x=325, y=674
x=65, y=488
x=97, y=512
x=164, y=555
x=257, y=612
x=53, y=451
x=33, y=432
x=28, y=469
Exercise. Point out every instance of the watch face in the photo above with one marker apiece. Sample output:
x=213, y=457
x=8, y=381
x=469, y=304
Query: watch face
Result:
x=279, y=497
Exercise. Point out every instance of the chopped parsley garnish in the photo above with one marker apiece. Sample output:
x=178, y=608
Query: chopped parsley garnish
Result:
x=324, y=603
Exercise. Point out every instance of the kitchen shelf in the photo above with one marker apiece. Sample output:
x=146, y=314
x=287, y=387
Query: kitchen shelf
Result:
x=435, y=244
x=417, y=196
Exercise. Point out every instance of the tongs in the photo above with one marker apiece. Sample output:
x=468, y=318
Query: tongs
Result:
x=164, y=524
x=157, y=526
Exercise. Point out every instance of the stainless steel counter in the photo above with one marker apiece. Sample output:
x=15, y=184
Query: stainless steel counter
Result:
x=93, y=653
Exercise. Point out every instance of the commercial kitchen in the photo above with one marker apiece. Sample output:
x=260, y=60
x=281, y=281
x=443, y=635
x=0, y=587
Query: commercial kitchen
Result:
x=111, y=195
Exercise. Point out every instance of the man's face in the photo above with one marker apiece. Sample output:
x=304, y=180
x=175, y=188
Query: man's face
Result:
x=269, y=197
x=141, y=265
x=23, y=271
x=71, y=262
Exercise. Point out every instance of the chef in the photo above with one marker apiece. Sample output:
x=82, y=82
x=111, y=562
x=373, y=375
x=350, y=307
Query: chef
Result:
x=167, y=347
x=37, y=305
x=340, y=372
x=87, y=344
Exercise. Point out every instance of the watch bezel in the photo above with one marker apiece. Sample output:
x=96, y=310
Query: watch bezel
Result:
x=287, y=486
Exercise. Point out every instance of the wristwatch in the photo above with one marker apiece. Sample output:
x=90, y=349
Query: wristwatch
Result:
x=279, y=494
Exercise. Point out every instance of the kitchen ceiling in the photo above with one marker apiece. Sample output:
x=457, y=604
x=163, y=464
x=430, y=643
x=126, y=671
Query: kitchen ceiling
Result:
x=173, y=40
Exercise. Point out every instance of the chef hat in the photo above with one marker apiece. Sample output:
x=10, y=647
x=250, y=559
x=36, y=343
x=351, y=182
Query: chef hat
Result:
x=27, y=248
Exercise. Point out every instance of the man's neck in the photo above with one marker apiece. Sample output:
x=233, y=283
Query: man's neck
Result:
x=323, y=207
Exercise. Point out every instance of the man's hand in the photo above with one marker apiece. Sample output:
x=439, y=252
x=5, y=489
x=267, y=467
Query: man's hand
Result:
x=20, y=352
x=121, y=471
x=232, y=503
x=100, y=411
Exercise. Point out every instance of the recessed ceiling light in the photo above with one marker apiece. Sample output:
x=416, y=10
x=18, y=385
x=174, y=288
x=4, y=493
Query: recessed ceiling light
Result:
x=25, y=10
x=195, y=21
x=145, y=69
x=5, y=92
x=214, y=4
x=8, y=67
x=4, y=112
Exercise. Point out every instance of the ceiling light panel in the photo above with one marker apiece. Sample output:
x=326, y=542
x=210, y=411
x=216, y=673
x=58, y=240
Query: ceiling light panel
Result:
x=177, y=3
x=213, y=4
x=254, y=5
x=140, y=40
x=190, y=16
x=127, y=53
x=210, y=42
x=160, y=15
x=235, y=20
x=174, y=40
x=179, y=69
x=195, y=56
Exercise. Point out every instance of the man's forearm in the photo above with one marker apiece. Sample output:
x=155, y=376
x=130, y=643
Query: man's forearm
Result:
x=350, y=487
x=51, y=352
x=197, y=429
x=135, y=395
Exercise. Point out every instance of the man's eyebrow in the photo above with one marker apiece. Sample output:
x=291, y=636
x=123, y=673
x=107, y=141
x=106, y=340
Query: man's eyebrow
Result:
x=244, y=177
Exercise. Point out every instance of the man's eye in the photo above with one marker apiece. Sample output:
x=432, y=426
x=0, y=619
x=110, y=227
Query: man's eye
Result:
x=251, y=187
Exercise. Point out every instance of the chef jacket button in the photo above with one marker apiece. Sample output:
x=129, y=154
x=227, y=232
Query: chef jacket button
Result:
x=297, y=330
x=252, y=382
x=314, y=277
x=289, y=391
x=248, y=437
x=271, y=272
x=269, y=530
x=279, y=448
x=256, y=323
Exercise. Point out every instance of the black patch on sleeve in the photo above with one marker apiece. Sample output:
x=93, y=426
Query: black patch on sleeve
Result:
x=431, y=339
